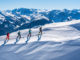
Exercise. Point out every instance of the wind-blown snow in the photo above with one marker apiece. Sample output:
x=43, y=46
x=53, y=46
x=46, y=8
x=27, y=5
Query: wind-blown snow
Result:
x=60, y=41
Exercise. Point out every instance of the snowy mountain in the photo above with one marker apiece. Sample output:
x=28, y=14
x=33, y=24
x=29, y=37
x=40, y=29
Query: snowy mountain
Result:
x=60, y=41
x=22, y=18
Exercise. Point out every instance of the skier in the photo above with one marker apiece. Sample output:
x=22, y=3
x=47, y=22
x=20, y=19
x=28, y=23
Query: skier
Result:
x=7, y=37
x=29, y=35
x=40, y=33
x=40, y=30
x=19, y=35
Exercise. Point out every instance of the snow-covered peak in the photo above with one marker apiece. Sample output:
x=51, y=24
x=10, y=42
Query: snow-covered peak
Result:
x=39, y=16
x=9, y=14
x=2, y=17
x=27, y=17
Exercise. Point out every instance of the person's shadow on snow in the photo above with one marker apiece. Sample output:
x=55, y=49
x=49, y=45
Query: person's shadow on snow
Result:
x=28, y=38
x=17, y=39
x=39, y=37
x=4, y=42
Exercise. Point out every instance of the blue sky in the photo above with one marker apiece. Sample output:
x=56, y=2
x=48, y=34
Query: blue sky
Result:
x=39, y=4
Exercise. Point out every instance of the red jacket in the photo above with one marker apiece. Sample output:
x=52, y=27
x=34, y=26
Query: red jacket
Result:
x=7, y=34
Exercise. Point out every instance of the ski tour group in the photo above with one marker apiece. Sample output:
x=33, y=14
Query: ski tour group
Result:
x=28, y=36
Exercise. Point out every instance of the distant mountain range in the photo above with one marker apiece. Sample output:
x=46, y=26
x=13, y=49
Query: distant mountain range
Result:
x=22, y=18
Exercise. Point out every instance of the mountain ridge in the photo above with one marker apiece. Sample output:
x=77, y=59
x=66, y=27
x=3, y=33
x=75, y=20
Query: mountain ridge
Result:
x=22, y=18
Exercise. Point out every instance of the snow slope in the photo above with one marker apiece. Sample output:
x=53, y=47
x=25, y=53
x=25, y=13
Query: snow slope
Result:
x=60, y=41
